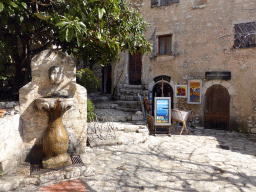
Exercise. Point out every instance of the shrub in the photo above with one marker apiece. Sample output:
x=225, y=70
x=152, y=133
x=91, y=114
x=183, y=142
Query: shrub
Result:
x=88, y=79
x=90, y=114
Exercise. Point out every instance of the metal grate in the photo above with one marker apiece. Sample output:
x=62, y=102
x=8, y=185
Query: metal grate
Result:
x=76, y=159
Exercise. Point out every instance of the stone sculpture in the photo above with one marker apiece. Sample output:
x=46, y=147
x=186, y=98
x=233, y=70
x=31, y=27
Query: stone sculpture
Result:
x=55, y=139
x=56, y=74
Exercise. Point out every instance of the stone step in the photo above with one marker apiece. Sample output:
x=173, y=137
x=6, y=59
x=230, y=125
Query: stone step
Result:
x=127, y=109
x=117, y=118
x=131, y=86
x=134, y=92
x=129, y=104
x=98, y=97
x=128, y=98
x=139, y=122
x=105, y=106
x=113, y=114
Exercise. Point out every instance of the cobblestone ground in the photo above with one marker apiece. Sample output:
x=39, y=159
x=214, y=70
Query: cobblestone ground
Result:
x=177, y=163
x=203, y=161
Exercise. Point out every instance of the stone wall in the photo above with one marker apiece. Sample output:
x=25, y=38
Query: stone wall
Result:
x=11, y=144
x=34, y=121
x=202, y=40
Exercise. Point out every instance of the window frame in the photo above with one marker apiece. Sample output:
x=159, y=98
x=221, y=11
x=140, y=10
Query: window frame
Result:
x=165, y=43
x=159, y=3
x=240, y=30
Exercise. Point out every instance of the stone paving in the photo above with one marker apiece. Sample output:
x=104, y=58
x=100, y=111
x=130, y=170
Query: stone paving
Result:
x=204, y=160
x=177, y=163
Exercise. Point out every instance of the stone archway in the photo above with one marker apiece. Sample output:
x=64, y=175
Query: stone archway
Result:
x=157, y=92
x=224, y=88
x=216, y=108
x=150, y=89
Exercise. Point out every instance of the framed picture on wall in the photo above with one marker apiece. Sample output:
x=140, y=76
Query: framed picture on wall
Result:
x=181, y=91
x=194, y=91
x=162, y=110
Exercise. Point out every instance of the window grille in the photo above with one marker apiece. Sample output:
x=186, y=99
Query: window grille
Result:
x=245, y=35
x=156, y=3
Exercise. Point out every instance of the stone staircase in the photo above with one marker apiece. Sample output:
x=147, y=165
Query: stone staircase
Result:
x=122, y=107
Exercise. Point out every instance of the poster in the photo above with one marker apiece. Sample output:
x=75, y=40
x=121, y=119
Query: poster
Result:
x=162, y=111
x=181, y=91
x=194, y=91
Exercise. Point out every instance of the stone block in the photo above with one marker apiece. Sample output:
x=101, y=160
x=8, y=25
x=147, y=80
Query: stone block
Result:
x=231, y=91
x=122, y=97
x=225, y=84
x=208, y=84
x=137, y=117
x=250, y=125
x=253, y=130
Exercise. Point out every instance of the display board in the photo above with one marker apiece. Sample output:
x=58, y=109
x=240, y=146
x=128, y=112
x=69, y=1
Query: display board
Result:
x=162, y=111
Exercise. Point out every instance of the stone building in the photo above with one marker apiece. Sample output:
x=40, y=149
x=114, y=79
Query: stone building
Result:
x=207, y=41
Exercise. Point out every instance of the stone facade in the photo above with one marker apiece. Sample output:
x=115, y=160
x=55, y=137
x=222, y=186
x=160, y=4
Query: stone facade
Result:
x=202, y=34
x=34, y=121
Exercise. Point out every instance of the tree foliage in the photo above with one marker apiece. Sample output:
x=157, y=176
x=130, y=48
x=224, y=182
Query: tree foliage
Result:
x=94, y=30
x=88, y=79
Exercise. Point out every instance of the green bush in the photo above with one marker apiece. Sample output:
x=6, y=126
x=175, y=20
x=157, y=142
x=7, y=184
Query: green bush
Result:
x=90, y=114
x=88, y=79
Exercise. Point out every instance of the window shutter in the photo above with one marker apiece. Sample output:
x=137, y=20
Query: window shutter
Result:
x=154, y=3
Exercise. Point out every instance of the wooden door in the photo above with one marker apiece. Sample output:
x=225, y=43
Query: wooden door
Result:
x=135, y=65
x=216, y=112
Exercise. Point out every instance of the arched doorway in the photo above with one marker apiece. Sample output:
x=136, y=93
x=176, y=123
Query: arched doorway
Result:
x=157, y=91
x=216, y=109
x=107, y=79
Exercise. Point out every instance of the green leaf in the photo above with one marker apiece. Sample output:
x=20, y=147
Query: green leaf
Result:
x=79, y=38
x=78, y=27
x=69, y=34
x=61, y=24
x=9, y=2
x=117, y=45
x=98, y=35
x=83, y=27
x=101, y=12
x=62, y=35
x=41, y=16
x=1, y=6
x=24, y=5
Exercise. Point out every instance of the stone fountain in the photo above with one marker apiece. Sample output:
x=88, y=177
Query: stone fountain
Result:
x=55, y=139
x=53, y=111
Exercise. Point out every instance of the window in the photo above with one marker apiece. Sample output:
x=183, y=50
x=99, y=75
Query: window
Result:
x=165, y=44
x=156, y=3
x=245, y=35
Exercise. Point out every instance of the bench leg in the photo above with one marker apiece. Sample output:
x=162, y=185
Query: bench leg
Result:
x=182, y=129
x=186, y=127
